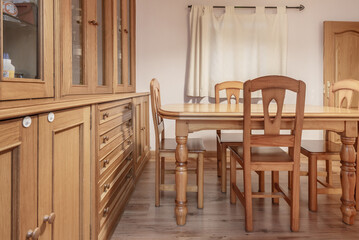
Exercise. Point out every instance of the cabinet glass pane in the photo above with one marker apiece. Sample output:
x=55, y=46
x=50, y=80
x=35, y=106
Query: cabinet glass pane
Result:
x=77, y=42
x=129, y=40
x=119, y=42
x=100, y=43
x=21, y=58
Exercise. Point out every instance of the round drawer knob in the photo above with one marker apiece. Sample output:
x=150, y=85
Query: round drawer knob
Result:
x=50, y=218
x=33, y=234
x=105, y=115
x=105, y=163
x=106, y=187
x=105, y=211
x=26, y=122
x=105, y=139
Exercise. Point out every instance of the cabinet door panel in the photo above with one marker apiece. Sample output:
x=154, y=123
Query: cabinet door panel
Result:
x=27, y=41
x=18, y=179
x=6, y=193
x=64, y=174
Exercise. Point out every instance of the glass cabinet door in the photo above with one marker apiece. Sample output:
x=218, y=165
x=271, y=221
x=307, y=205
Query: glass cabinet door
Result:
x=126, y=46
x=131, y=44
x=26, y=49
x=85, y=46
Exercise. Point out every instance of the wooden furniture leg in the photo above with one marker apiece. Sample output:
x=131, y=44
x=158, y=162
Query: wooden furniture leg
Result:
x=163, y=170
x=348, y=178
x=157, y=180
x=357, y=185
x=328, y=169
x=200, y=180
x=294, y=222
x=275, y=181
x=312, y=183
x=219, y=161
x=223, y=168
x=248, y=198
x=181, y=172
x=233, y=179
x=261, y=182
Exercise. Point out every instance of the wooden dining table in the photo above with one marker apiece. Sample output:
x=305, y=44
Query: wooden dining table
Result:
x=197, y=117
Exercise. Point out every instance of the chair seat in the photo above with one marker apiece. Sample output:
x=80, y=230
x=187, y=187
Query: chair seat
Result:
x=193, y=145
x=321, y=146
x=264, y=154
x=231, y=138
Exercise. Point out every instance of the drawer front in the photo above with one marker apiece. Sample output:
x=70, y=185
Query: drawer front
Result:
x=109, y=111
x=111, y=124
x=115, y=132
x=113, y=159
x=116, y=202
x=125, y=140
x=108, y=185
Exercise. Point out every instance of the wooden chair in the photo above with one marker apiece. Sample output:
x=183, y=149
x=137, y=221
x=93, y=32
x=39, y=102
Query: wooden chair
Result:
x=327, y=150
x=225, y=140
x=262, y=152
x=166, y=147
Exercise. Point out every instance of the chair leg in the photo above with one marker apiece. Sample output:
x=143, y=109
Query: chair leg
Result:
x=219, y=154
x=328, y=168
x=290, y=180
x=357, y=187
x=157, y=180
x=200, y=180
x=223, y=168
x=295, y=198
x=275, y=180
x=233, y=178
x=163, y=169
x=248, y=198
x=261, y=181
x=312, y=182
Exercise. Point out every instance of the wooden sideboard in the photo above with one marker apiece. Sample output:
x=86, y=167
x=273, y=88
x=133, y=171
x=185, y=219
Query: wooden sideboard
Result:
x=68, y=167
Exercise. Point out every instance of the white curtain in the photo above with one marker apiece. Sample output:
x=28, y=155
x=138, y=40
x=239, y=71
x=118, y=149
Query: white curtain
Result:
x=234, y=47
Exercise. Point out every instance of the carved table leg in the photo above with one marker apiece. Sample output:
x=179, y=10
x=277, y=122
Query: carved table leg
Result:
x=348, y=179
x=181, y=174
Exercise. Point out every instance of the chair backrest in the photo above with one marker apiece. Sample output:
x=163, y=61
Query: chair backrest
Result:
x=273, y=89
x=345, y=89
x=232, y=88
x=155, y=105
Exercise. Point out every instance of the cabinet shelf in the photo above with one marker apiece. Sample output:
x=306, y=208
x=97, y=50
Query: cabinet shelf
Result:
x=15, y=20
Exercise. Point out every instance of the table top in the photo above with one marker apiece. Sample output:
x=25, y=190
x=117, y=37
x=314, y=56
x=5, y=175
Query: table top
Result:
x=199, y=110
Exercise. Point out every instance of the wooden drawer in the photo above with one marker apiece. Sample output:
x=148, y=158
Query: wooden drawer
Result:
x=112, y=110
x=115, y=132
x=113, y=159
x=117, y=201
x=111, y=124
x=108, y=184
x=125, y=139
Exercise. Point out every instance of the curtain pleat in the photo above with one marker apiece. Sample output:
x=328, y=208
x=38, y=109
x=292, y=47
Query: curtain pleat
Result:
x=234, y=47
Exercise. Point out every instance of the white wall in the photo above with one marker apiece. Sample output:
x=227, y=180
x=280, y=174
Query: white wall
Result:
x=162, y=45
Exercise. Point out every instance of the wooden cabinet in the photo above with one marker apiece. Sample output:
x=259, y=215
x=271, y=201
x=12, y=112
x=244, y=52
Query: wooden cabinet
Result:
x=97, y=46
x=27, y=51
x=64, y=173
x=141, y=123
x=18, y=179
x=45, y=176
x=115, y=168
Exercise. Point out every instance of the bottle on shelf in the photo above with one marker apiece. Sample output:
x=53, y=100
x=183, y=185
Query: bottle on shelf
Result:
x=8, y=68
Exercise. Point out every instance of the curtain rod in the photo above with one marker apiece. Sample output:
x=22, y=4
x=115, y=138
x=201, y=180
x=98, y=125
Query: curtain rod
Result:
x=300, y=7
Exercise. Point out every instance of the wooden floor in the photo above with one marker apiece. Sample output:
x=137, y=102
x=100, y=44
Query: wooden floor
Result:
x=221, y=220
